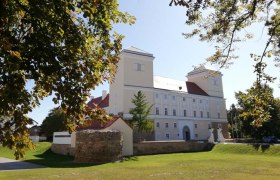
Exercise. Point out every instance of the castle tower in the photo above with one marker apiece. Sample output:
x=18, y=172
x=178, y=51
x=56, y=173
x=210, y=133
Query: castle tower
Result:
x=134, y=73
x=208, y=80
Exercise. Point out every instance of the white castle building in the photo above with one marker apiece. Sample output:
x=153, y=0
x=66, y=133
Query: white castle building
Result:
x=182, y=110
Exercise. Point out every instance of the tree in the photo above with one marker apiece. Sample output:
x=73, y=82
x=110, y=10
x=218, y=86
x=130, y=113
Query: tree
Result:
x=62, y=48
x=141, y=112
x=225, y=23
x=247, y=102
x=235, y=124
x=54, y=122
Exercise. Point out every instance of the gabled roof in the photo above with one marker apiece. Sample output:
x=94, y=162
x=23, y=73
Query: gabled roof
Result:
x=195, y=89
x=134, y=50
x=102, y=103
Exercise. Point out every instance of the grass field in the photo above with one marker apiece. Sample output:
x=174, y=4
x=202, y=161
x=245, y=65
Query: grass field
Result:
x=223, y=162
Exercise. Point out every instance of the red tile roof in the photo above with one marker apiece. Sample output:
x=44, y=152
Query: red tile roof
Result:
x=98, y=125
x=195, y=89
x=99, y=102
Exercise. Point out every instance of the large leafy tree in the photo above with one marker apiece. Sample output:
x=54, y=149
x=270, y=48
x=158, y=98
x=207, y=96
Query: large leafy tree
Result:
x=249, y=113
x=226, y=23
x=63, y=48
x=54, y=122
x=140, y=113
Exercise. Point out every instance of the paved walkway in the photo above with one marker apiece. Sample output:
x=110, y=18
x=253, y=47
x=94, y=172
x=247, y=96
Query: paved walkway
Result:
x=10, y=164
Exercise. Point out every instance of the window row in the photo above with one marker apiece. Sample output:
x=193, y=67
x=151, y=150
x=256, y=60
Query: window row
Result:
x=174, y=112
x=166, y=125
x=174, y=98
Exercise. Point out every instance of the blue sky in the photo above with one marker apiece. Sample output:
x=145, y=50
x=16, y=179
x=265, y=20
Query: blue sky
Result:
x=158, y=30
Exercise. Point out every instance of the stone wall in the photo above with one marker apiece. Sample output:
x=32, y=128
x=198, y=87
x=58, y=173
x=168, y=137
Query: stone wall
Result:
x=98, y=146
x=64, y=149
x=162, y=147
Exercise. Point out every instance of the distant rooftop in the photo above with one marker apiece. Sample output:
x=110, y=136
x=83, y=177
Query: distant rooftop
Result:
x=134, y=50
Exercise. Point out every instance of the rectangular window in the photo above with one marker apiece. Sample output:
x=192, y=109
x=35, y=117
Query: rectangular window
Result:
x=195, y=125
x=157, y=110
x=174, y=112
x=166, y=125
x=219, y=115
x=158, y=124
x=196, y=135
x=194, y=113
x=156, y=95
x=167, y=136
x=184, y=99
x=193, y=100
x=165, y=96
x=200, y=101
x=175, y=125
x=185, y=112
x=201, y=114
x=208, y=115
x=165, y=111
x=173, y=97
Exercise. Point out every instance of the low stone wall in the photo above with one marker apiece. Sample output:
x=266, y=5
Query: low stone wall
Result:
x=98, y=146
x=64, y=149
x=164, y=147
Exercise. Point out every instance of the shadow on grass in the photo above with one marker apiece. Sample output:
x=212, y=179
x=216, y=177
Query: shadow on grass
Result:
x=50, y=159
x=262, y=147
x=129, y=158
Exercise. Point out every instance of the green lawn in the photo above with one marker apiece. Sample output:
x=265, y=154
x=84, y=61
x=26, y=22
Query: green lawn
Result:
x=223, y=162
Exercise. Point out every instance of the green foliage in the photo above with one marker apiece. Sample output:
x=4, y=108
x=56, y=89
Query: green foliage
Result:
x=260, y=112
x=141, y=112
x=63, y=48
x=226, y=23
x=54, y=122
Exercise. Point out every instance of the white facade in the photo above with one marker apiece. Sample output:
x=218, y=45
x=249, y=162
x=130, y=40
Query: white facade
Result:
x=181, y=109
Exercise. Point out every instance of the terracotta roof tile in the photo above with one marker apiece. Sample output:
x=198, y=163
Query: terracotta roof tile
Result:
x=99, y=102
x=98, y=125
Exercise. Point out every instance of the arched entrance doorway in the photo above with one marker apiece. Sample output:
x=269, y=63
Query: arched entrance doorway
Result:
x=186, y=133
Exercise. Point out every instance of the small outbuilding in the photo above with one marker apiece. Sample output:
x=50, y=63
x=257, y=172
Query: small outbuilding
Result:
x=116, y=124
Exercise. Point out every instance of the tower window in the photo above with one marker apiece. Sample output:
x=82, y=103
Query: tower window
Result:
x=139, y=67
x=185, y=112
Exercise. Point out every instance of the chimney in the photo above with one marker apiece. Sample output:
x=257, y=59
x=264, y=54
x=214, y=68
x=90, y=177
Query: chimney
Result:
x=104, y=94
